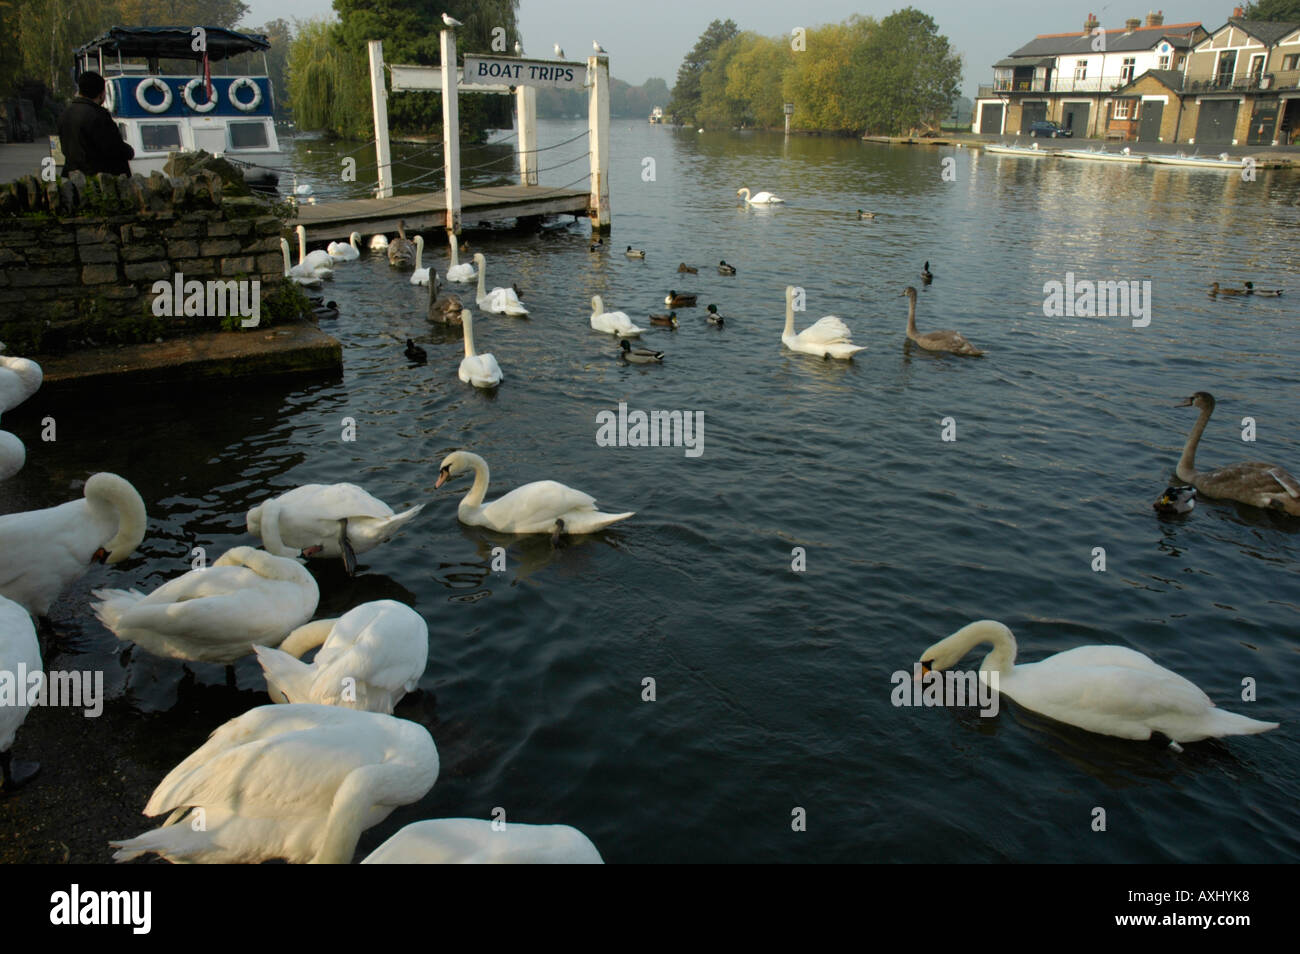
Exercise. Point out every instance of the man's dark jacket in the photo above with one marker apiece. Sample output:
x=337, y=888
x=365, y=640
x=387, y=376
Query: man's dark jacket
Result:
x=91, y=141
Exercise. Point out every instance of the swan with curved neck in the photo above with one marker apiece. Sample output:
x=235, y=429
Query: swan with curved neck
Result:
x=401, y=250
x=345, y=251
x=456, y=272
x=215, y=614
x=532, y=508
x=953, y=342
x=828, y=337
x=43, y=551
x=299, y=782
x=498, y=301
x=320, y=262
x=1111, y=690
x=611, y=322
x=421, y=275
x=761, y=198
x=1252, y=482
x=300, y=274
x=443, y=309
x=453, y=841
x=18, y=649
x=370, y=657
x=480, y=370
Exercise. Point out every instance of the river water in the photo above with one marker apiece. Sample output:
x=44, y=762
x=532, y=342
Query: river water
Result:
x=773, y=687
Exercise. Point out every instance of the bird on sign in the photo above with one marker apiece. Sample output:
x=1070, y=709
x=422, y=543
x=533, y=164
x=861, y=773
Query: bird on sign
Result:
x=519, y=48
x=597, y=47
x=451, y=21
x=559, y=52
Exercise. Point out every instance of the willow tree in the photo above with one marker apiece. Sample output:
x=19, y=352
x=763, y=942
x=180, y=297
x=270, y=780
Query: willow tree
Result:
x=328, y=84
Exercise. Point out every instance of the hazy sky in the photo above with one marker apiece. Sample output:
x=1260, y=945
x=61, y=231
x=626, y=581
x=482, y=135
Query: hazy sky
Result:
x=649, y=37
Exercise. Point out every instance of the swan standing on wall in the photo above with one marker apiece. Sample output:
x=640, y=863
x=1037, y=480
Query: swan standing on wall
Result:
x=951, y=341
x=762, y=198
x=300, y=274
x=43, y=551
x=456, y=272
x=480, y=370
x=499, y=301
x=1251, y=482
x=326, y=520
x=611, y=322
x=18, y=648
x=370, y=657
x=12, y=455
x=345, y=251
x=299, y=782
x=532, y=508
x=20, y=378
x=1110, y=690
x=319, y=262
x=421, y=275
x=828, y=337
x=473, y=841
x=217, y=613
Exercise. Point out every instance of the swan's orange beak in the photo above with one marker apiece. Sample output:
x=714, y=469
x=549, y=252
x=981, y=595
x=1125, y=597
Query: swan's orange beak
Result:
x=99, y=556
x=442, y=478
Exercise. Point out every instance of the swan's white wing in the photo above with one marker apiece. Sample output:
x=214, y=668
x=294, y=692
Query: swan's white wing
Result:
x=18, y=646
x=475, y=841
x=333, y=502
x=461, y=273
x=828, y=330
x=503, y=300
x=382, y=644
x=482, y=371
x=535, y=507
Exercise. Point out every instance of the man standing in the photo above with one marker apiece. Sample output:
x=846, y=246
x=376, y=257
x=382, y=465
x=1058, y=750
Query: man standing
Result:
x=89, y=135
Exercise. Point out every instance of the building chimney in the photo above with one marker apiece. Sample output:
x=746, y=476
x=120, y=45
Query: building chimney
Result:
x=1238, y=12
x=1090, y=24
x=1156, y=19
x=1132, y=23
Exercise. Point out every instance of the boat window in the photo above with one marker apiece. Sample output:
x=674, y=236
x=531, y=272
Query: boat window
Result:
x=248, y=135
x=157, y=137
x=121, y=130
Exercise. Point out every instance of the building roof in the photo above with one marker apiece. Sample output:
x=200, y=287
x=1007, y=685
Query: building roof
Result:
x=1024, y=61
x=174, y=42
x=1173, y=79
x=1117, y=41
x=1270, y=32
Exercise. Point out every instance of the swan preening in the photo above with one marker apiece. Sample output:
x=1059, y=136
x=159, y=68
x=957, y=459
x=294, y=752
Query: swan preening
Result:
x=216, y=613
x=301, y=274
x=1111, y=690
x=421, y=275
x=345, y=251
x=532, y=508
x=43, y=551
x=320, y=263
x=499, y=301
x=951, y=341
x=762, y=198
x=19, y=651
x=828, y=337
x=611, y=322
x=456, y=272
x=20, y=378
x=369, y=658
x=12, y=454
x=378, y=242
x=326, y=520
x=480, y=370
x=469, y=841
x=1251, y=482
x=299, y=782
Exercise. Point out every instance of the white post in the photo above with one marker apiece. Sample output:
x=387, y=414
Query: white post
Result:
x=451, y=128
x=379, y=102
x=526, y=117
x=598, y=137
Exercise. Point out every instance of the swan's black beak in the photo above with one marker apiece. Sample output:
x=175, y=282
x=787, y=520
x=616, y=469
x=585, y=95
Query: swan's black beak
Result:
x=925, y=668
x=99, y=556
x=1187, y=402
x=443, y=476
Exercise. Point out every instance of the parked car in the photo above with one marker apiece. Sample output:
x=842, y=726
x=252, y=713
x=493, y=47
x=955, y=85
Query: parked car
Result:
x=1047, y=128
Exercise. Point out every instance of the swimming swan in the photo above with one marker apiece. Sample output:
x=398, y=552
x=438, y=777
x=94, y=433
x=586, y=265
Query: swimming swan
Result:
x=378, y=243
x=421, y=275
x=348, y=251
x=401, y=250
x=474, y=841
x=532, y=508
x=326, y=520
x=499, y=301
x=952, y=341
x=320, y=262
x=828, y=337
x=1110, y=690
x=298, y=782
x=763, y=198
x=20, y=378
x=369, y=658
x=18, y=647
x=480, y=370
x=300, y=274
x=456, y=272
x=43, y=551
x=611, y=322
x=1251, y=482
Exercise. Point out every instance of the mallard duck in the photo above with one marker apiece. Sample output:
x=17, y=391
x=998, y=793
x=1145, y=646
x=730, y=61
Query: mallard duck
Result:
x=669, y=319
x=1216, y=290
x=688, y=269
x=638, y=355
x=1263, y=292
x=634, y=252
x=683, y=300
x=1176, y=500
x=415, y=353
x=518, y=293
x=325, y=311
x=557, y=535
x=926, y=277
x=866, y=215
x=713, y=316
x=597, y=246
x=725, y=269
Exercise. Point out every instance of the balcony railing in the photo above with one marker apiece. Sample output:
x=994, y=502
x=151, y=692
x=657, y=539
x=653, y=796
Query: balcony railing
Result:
x=1231, y=82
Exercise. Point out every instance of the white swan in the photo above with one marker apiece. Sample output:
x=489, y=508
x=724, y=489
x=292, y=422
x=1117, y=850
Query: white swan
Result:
x=43, y=551
x=18, y=649
x=762, y=198
x=20, y=378
x=611, y=322
x=828, y=337
x=378, y=243
x=474, y=841
x=1111, y=690
x=499, y=301
x=348, y=251
x=456, y=272
x=369, y=658
x=480, y=370
x=320, y=262
x=326, y=520
x=299, y=274
x=12, y=455
x=299, y=782
x=532, y=508
x=217, y=613
x=421, y=275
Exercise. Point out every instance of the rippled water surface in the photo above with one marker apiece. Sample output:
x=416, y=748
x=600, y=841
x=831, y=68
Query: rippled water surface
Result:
x=773, y=687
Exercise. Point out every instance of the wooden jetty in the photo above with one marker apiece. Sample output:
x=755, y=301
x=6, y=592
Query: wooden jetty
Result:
x=426, y=211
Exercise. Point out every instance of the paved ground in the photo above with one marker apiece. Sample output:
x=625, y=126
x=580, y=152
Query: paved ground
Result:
x=18, y=159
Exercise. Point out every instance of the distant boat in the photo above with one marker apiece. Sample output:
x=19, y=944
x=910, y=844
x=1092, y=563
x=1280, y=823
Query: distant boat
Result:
x=1222, y=161
x=1123, y=156
x=1021, y=150
x=656, y=115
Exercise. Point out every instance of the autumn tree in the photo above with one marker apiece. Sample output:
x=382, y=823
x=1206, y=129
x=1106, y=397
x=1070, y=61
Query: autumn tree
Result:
x=905, y=74
x=1284, y=11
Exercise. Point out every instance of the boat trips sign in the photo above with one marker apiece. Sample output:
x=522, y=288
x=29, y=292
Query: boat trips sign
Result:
x=512, y=71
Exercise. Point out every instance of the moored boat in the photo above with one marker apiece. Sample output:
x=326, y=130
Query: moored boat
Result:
x=1124, y=155
x=1032, y=150
x=1222, y=161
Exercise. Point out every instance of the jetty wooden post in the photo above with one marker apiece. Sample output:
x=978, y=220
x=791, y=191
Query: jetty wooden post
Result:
x=598, y=137
x=451, y=128
x=379, y=103
x=526, y=115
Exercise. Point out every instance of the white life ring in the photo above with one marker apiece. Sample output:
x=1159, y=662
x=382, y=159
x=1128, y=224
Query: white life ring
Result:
x=108, y=96
x=239, y=84
x=187, y=94
x=153, y=82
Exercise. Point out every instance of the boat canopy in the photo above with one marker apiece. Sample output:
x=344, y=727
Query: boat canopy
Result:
x=173, y=42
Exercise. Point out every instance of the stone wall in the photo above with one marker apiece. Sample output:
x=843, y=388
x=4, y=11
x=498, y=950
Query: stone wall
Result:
x=79, y=256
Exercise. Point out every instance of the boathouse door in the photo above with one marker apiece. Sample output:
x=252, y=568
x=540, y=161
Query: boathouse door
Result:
x=991, y=119
x=1262, y=123
x=1074, y=117
x=1031, y=113
x=1216, y=122
x=1149, y=126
